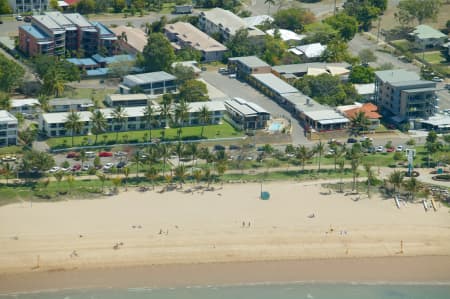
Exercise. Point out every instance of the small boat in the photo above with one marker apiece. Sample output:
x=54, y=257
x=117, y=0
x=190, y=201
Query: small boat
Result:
x=433, y=204
x=425, y=205
x=397, y=202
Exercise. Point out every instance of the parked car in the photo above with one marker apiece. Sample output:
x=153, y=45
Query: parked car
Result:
x=232, y=76
x=120, y=154
x=379, y=149
x=352, y=140
x=437, y=79
x=72, y=155
x=108, y=166
x=65, y=169
x=234, y=147
x=399, y=148
x=334, y=141
x=219, y=147
x=223, y=70
x=86, y=167
x=364, y=138
x=9, y=158
x=19, y=18
x=90, y=154
x=54, y=169
x=121, y=164
x=390, y=149
x=76, y=167
x=105, y=154
x=27, y=19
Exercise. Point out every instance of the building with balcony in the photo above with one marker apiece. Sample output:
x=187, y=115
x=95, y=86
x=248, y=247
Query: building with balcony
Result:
x=226, y=23
x=8, y=128
x=24, y=106
x=403, y=97
x=247, y=115
x=65, y=104
x=185, y=35
x=55, y=33
x=149, y=83
x=20, y=6
x=248, y=65
x=127, y=100
x=53, y=124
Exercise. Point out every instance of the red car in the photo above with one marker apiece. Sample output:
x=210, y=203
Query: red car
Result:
x=105, y=154
x=72, y=155
x=390, y=150
x=76, y=167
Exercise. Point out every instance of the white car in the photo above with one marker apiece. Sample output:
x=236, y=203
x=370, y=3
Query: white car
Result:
x=86, y=167
x=437, y=79
x=399, y=148
x=65, y=169
x=108, y=166
x=120, y=154
x=232, y=76
x=364, y=138
x=90, y=154
x=379, y=149
x=54, y=169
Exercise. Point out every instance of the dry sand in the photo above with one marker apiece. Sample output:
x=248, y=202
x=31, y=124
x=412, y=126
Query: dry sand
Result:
x=177, y=227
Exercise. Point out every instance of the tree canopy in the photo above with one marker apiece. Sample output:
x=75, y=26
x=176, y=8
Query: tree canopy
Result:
x=183, y=73
x=240, y=45
x=327, y=89
x=337, y=51
x=367, y=55
x=4, y=7
x=319, y=32
x=346, y=25
x=365, y=11
x=11, y=74
x=294, y=18
x=158, y=54
x=362, y=74
x=193, y=91
x=417, y=10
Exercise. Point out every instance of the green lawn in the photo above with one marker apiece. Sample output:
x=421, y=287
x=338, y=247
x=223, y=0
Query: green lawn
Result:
x=10, y=150
x=224, y=130
x=402, y=44
x=434, y=57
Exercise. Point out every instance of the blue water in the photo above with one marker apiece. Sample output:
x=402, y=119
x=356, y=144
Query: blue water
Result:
x=275, y=127
x=273, y=291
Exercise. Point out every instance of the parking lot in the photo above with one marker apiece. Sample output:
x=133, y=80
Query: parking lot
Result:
x=236, y=88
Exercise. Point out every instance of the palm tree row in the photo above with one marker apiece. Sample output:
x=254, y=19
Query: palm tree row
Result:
x=99, y=123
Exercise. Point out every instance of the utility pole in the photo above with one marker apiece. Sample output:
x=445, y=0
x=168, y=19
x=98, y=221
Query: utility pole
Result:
x=335, y=8
x=378, y=31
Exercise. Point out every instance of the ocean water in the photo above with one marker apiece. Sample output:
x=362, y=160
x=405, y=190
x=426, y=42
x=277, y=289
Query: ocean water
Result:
x=260, y=291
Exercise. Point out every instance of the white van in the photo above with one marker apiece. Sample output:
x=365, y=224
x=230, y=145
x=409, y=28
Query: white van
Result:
x=90, y=154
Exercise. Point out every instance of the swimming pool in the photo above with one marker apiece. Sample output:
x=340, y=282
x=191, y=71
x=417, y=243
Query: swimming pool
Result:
x=275, y=127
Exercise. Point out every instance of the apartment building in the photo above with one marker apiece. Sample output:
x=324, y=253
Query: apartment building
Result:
x=8, y=128
x=247, y=65
x=65, y=104
x=55, y=33
x=127, y=100
x=53, y=124
x=402, y=96
x=226, y=23
x=247, y=115
x=19, y=6
x=185, y=35
x=149, y=83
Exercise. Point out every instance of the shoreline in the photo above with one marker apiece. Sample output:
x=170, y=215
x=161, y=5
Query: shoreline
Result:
x=302, y=233
x=422, y=270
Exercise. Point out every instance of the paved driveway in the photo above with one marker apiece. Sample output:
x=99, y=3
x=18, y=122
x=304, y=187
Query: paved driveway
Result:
x=236, y=88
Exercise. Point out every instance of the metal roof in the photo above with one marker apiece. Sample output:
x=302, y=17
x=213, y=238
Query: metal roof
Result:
x=276, y=84
x=149, y=77
x=5, y=116
x=67, y=101
x=127, y=97
x=286, y=35
x=257, y=20
x=78, y=20
x=82, y=61
x=61, y=117
x=250, y=61
x=312, y=50
x=244, y=107
x=60, y=19
x=103, y=30
x=302, y=102
x=48, y=22
x=34, y=31
x=24, y=102
x=303, y=67
x=326, y=116
x=426, y=32
x=212, y=106
x=396, y=76
x=418, y=83
x=441, y=121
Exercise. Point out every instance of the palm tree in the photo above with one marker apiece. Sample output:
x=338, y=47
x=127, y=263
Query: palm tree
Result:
x=341, y=164
x=303, y=154
x=269, y=2
x=102, y=177
x=197, y=175
x=54, y=82
x=152, y=174
x=119, y=117
x=70, y=179
x=180, y=173
x=396, y=178
x=126, y=173
x=204, y=116
x=359, y=122
x=73, y=123
x=7, y=171
x=58, y=176
x=179, y=149
x=164, y=153
x=354, y=164
x=319, y=149
x=412, y=186
x=193, y=151
x=116, y=182
x=149, y=117
x=370, y=176
x=44, y=102
x=181, y=115
x=99, y=123
x=83, y=157
x=166, y=109
x=221, y=168
x=338, y=151
x=136, y=159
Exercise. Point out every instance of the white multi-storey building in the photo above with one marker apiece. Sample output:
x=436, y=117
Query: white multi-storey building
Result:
x=8, y=128
x=19, y=6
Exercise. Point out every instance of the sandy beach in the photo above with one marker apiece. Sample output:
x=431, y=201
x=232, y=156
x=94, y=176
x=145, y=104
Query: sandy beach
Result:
x=225, y=226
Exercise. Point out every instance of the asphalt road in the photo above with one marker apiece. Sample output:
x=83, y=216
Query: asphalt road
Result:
x=236, y=88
